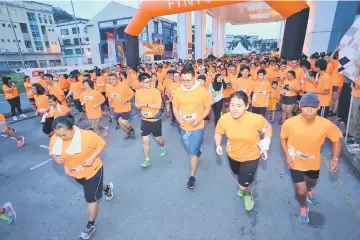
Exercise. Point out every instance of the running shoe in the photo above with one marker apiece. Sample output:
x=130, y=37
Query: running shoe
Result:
x=23, y=115
x=88, y=231
x=163, y=152
x=145, y=164
x=240, y=193
x=9, y=212
x=311, y=198
x=20, y=142
x=15, y=118
x=117, y=126
x=280, y=122
x=110, y=120
x=304, y=215
x=191, y=182
x=269, y=118
x=110, y=194
x=248, y=202
x=132, y=134
x=127, y=136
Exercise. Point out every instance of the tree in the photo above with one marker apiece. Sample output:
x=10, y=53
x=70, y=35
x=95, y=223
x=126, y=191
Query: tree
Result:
x=61, y=15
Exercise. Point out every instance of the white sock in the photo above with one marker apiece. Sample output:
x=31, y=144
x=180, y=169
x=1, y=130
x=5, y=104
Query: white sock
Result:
x=147, y=159
x=163, y=147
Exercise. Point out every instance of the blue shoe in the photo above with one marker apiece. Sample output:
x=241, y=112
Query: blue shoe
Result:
x=312, y=200
x=163, y=152
x=304, y=218
x=117, y=127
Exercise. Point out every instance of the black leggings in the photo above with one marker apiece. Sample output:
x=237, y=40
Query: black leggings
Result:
x=173, y=119
x=15, y=104
x=217, y=108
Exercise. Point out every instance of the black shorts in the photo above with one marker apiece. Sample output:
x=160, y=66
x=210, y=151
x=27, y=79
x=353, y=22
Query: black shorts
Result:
x=299, y=176
x=244, y=170
x=66, y=93
x=78, y=105
x=289, y=100
x=153, y=128
x=93, y=187
x=298, y=98
x=47, y=127
x=323, y=112
x=32, y=100
x=259, y=110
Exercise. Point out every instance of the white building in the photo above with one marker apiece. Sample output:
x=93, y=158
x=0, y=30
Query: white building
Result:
x=35, y=31
x=114, y=19
x=70, y=43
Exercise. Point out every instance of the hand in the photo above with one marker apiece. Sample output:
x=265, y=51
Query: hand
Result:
x=88, y=163
x=124, y=102
x=58, y=159
x=263, y=152
x=96, y=106
x=302, y=80
x=77, y=169
x=195, y=123
x=290, y=162
x=181, y=123
x=334, y=165
x=219, y=150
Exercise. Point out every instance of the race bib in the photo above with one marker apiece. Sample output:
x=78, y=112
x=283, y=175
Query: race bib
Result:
x=88, y=98
x=115, y=95
x=100, y=84
x=261, y=92
x=189, y=117
x=147, y=114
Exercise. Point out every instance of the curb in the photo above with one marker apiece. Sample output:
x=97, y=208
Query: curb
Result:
x=352, y=161
x=25, y=110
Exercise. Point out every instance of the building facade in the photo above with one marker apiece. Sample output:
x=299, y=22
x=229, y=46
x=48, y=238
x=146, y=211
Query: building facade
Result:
x=34, y=28
x=113, y=19
x=74, y=40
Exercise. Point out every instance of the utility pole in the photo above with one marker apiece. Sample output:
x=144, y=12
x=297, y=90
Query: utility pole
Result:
x=16, y=39
x=78, y=34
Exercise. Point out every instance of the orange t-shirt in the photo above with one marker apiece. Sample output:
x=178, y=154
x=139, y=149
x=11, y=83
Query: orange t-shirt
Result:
x=121, y=92
x=76, y=88
x=43, y=83
x=2, y=118
x=356, y=92
x=64, y=84
x=81, y=78
x=243, y=135
x=56, y=90
x=12, y=94
x=100, y=84
x=41, y=101
x=191, y=105
x=309, y=86
x=91, y=98
x=58, y=111
x=305, y=140
x=228, y=90
x=244, y=84
x=324, y=83
x=149, y=96
x=261, y=93
x=90, y=141
x=172, y=89
x=28, y=89
x=294, y=84
x=108, y=90
x=282, y=75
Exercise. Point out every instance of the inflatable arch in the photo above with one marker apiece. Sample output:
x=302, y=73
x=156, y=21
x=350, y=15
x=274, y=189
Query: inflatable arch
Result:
x=296, y=14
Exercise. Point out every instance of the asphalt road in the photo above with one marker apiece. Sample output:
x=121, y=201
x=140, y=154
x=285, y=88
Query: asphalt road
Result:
x=5, y=107
x=154, y=204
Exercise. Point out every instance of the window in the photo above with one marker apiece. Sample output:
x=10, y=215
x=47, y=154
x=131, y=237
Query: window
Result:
x=49, y=30
x=66, y=42
x=45, y=19
x=19, y=41
x=64, y=32
x=156, y=27
x=58, y=62
x=87, y=39
x=52, y=63
x=3, y=40
x=9, y=25
x=43, y=63
x=43, y=30
x=3, y=24
x=47, y=44
x=76, y=41
x=33, y=64
x=40, y=19
x=68, y=52
x=14, y=26
x=74, y=31
x=13, y=12
x=53, y=30
x=85, y=30
x=23, y=28
x=14, y=40
x=35, y=31
x=78, y=51
x=28, y=44
x=50, y=20
x=114, y=22
x=8, y=40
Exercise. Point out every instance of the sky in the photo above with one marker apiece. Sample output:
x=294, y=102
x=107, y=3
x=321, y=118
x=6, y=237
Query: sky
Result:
x=83, y=10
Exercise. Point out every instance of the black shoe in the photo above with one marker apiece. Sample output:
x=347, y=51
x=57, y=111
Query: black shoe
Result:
x=110, y=120
x=349, y=136
x=128, y=136
x=280, y=122
x=132, y=134
x=199, y=153
x=191, y=182
x=88, y=231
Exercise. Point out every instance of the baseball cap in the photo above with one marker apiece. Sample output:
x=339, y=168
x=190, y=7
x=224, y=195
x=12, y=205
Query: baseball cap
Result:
x=309, y=100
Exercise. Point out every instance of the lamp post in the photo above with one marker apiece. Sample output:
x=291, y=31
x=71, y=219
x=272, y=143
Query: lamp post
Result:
x=78, y=34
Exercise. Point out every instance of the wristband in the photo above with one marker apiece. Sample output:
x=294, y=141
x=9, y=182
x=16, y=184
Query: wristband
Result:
x=265, y=144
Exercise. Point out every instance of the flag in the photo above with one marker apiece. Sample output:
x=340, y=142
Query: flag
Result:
x=111, y=48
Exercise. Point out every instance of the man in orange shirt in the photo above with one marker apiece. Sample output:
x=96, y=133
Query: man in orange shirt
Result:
x=101, y=86
x=191, y=105
x=302, y=137
x=261, y=94
x=55, y=89
x=148, y=100
x=76, y=88
x=42, y=81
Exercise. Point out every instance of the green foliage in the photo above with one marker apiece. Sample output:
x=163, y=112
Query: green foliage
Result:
x=17, y=79
x=61, y=15
x=211, y=56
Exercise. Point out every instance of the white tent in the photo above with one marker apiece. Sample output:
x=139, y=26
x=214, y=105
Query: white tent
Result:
x=239, y=49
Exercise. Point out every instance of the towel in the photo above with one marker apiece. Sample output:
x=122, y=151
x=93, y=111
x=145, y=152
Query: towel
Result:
x=75, y=145
x=197, y=84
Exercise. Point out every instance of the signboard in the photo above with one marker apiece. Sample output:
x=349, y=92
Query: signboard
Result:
x=145, y=38
x=153, y=49
x=111, y=48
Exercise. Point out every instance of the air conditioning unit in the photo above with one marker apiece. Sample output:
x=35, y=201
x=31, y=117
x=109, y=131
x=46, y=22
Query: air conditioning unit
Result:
x=3, y=50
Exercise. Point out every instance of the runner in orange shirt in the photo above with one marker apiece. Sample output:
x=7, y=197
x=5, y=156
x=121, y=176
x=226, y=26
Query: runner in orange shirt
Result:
x=78, y=150
x=227, y=88
x=12, y=97
x=41, y=101
x=64, y=83
x=29, y=93
x=301, y=140
x=55, y=89
x=156, y=84
x=260, y=97
x=4, y=129
x=120, y=98
x=42, y=81
x=76, y=88
x=92, y=101
x=167, y=84
x=244, y=147
x=274, y=98
x=148, y=100
x=172, y=89
x=101, y=86
x=191, y=104
x=216, y=88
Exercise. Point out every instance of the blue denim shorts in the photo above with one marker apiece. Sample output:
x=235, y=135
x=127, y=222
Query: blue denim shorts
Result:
x=123, y=116
x=192, y=140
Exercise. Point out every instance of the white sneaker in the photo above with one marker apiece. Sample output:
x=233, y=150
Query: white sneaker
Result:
x=15, y=118
x=23, y=116
x=110, y=194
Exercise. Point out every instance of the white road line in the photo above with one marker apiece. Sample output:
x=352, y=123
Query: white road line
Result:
x=40, y=164
x=44, y=146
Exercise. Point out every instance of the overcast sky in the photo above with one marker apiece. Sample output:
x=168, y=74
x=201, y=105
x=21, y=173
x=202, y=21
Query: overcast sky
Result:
x=83, y=10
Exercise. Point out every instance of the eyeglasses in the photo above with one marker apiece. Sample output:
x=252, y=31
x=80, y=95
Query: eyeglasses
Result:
x=186, y=80
x=146, y=82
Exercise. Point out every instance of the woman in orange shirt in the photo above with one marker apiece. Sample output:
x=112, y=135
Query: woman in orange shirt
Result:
x=64, y=83
x=41, y=101
x=244, y=147
x=28, y=88
x=78, y=150
x=289, y=96
x=227, y=88
x=76, y=88
x=12, y=96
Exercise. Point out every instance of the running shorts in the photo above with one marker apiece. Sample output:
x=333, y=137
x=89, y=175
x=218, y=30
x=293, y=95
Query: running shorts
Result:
x=93, y=187
x=124, y=116
x=259, y=110
x=244, y=170
x=47, y=127
x=78, y=105
x=299, y=176
x=192, y=141
x=289, y=100
x=323, y=112
x=153, y=128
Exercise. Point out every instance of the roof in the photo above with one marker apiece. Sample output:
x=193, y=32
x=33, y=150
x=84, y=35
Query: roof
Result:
x=40, y=3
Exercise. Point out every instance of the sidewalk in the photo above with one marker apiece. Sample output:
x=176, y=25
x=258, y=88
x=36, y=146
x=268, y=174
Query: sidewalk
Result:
x=5, y=107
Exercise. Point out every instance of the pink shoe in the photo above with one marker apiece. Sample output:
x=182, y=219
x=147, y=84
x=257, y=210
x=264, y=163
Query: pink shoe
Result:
x=21, y=142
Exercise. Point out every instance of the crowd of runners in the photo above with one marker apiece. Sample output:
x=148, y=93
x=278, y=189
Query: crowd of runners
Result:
x=238, y=95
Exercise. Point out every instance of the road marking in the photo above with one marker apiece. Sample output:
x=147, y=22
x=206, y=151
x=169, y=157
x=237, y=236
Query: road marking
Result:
x=40, y=164
x=44, y=146
x=6, y=136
